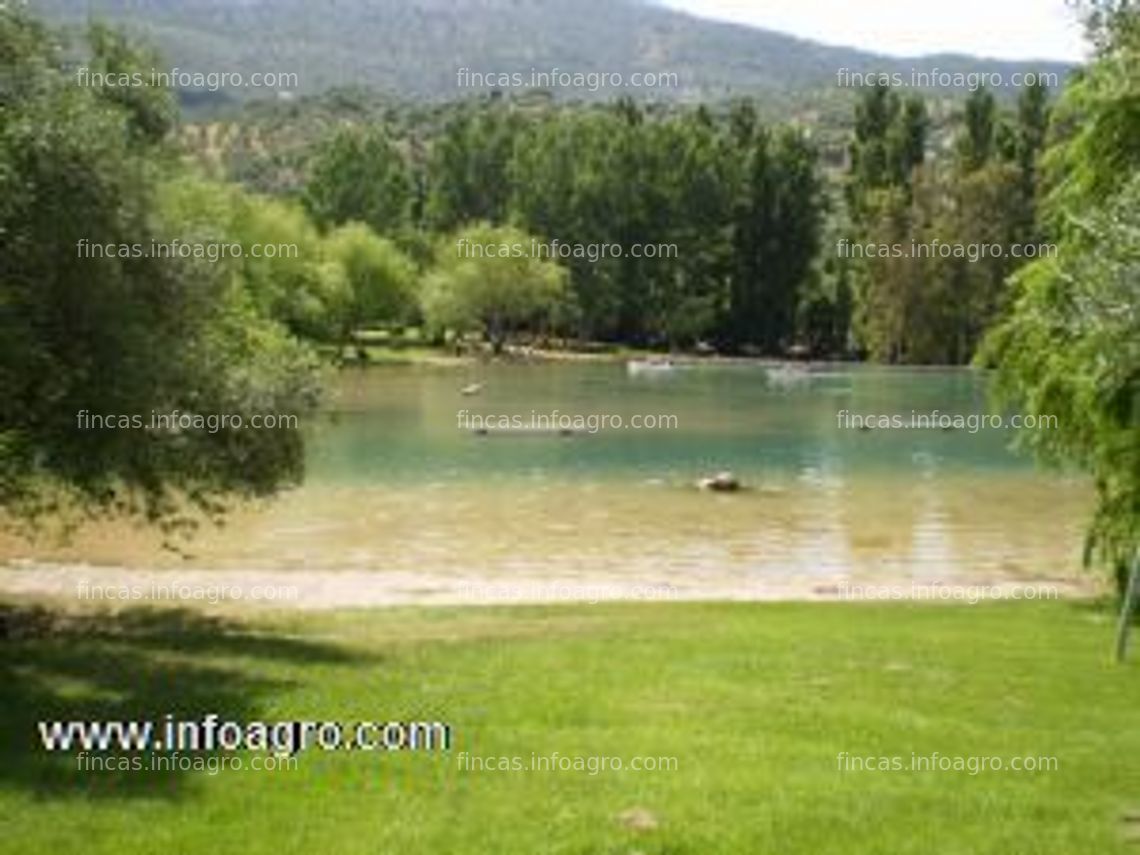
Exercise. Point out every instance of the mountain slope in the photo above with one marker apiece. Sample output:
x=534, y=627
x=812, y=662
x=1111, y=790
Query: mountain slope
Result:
x=414, y=48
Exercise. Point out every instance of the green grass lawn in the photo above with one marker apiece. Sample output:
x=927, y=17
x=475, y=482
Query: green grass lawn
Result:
x=754, y=700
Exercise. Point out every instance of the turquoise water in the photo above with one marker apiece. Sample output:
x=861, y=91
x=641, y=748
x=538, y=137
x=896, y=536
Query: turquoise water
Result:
x=399, y=484
x=391, y=425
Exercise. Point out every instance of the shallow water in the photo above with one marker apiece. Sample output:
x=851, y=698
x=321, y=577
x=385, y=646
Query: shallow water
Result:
x=398, y=481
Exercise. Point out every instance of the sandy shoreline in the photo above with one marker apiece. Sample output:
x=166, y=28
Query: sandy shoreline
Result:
x=337, y=589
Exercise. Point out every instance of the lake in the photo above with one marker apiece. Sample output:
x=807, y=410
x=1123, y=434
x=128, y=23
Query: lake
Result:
x=398, y=481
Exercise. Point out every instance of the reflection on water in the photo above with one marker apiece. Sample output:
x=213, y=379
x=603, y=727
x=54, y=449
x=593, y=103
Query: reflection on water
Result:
x=397, y=483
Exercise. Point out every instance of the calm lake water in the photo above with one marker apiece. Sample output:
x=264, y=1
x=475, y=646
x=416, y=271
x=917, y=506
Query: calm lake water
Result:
x=399, y=482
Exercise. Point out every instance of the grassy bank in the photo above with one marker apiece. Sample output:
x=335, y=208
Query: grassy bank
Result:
x=754, y=702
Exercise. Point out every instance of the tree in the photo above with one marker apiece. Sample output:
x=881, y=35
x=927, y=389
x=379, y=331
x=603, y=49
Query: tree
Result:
x=1071, y=350
x=890, y=284
x=775, y=224
x=796, y=221
x=558, y=181
x=942, y=232
x=696, y=177
x=151, y=110
x=468, y=168
x=487, y=278
x=125, y=331
x=906, y=139
x=380, y=278
x=977, y=142
x=825, y=313
x=1032, y=125
x=360, y=176
x=875, y=115
x=276, y=254
x=1070, y=347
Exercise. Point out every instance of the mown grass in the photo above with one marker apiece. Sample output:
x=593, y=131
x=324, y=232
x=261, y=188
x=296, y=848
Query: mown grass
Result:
x=755, y=701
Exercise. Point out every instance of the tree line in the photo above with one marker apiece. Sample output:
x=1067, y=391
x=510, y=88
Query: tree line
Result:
x=759, y=225
x=740, y=206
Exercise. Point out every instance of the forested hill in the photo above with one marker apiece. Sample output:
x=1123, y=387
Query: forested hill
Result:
x=413, y=48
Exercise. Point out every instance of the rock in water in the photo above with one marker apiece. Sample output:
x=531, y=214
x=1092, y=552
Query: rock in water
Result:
x=722, y=482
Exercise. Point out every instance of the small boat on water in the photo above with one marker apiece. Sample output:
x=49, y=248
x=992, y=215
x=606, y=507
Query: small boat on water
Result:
x=653, y=365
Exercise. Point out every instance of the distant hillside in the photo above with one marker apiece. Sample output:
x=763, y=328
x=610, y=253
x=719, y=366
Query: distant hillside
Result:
x=413, y=49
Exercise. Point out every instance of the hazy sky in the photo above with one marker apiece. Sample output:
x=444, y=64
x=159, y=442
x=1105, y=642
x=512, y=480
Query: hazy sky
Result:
x=1007, y=29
